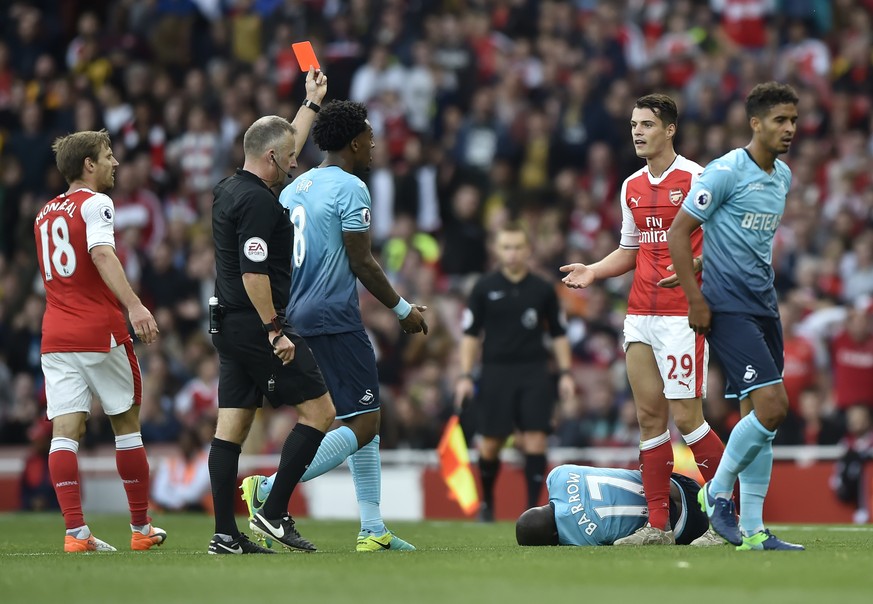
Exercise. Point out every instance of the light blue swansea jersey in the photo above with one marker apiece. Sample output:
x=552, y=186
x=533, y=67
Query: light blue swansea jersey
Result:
x=740, y=206
x=323, y=203
x=596, y=506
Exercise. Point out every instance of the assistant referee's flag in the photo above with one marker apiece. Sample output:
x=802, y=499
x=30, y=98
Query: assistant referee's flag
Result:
x=455, y=467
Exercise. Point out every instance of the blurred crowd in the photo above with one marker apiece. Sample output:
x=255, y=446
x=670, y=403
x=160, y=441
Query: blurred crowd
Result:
x=484, y=110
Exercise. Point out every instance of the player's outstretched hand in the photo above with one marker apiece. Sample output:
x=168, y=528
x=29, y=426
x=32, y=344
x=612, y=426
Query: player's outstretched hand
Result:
x=414, y=321
x=316, y=85
x=144, y=325
x=579, y=277
x=673, y=281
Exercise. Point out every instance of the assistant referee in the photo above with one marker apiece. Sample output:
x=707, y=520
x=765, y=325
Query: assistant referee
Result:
x=259, y=355
x=516, y=310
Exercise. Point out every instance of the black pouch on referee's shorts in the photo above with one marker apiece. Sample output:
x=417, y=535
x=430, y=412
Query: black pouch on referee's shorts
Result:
x=215, y=314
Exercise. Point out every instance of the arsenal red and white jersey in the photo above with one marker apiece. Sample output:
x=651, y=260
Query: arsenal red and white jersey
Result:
x=648, y=207
x=82, y=314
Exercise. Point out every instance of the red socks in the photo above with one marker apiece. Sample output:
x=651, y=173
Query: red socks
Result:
x=133, y=468
x=656, y=463
x=64, y=471
x=707, y=448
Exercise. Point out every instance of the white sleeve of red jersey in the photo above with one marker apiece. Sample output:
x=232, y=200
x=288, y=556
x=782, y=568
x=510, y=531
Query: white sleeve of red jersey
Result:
x=630, y=234
x=98, y=212
x=695, y=169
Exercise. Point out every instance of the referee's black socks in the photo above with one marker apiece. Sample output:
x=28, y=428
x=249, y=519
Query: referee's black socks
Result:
x=223, y=468
x=488, y=470
x=297, y=453
x=534, y=473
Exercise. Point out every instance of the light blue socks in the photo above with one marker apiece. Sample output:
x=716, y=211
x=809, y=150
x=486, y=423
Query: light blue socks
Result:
x=754, y=482
x=366, y=466
x=747, y=439
x=337, y=445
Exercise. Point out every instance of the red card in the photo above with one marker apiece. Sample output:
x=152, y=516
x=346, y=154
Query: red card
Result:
x=305, y=55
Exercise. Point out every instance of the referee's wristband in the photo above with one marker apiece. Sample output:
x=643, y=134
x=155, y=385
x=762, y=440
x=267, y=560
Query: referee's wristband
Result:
x=402, y=309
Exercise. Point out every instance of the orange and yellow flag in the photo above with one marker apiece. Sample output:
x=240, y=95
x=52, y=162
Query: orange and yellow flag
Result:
x=455, y=467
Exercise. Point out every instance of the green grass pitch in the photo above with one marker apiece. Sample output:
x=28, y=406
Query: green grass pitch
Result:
x=457, y=562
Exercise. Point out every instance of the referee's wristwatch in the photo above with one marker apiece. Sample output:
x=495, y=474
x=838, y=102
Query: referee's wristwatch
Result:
x=275, y=324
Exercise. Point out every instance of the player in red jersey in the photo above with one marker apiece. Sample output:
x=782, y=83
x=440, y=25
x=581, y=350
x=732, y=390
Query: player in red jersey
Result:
x=87, y=351
x=666, y=360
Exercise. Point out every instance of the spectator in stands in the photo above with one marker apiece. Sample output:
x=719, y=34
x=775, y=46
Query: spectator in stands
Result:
x=464, y=237
x=381, y=72
x=852, y=358
x=849, y=481
x=32, y=146
x=801, y=371
x=817, y=423
x=37, y=491
x=181, y=482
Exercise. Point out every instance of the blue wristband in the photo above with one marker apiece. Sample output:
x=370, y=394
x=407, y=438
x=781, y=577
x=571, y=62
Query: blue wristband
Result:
x=402, y=309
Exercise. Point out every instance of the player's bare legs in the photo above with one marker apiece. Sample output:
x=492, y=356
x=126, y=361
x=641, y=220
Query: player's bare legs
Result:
x=365, y=426
x=67, y=431
x=70, y=425
x=133, y=468
x=233, y=425
x=656, y=449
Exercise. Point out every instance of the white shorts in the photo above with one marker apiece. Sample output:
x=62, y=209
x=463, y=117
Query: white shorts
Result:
x=72, y=379
x=681, y=354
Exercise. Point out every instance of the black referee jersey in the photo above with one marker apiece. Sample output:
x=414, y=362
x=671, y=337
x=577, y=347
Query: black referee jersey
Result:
x=252, y=234
x=514, y=317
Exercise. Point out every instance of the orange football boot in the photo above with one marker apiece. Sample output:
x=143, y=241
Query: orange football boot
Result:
x=90, y=544
x=140, y=542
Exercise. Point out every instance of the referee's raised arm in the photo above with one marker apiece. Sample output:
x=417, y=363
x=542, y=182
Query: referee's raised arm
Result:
x=316, y=88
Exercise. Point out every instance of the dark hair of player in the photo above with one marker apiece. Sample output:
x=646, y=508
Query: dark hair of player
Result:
x=338, y=123
x=764, y=97
x=72, y=150
x=661, y=105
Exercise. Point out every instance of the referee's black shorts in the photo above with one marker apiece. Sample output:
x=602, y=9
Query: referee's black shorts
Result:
x=250, y=371
x=514, y=396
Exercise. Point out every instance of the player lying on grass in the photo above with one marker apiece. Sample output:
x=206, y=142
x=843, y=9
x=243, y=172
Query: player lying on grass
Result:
x=598, y=506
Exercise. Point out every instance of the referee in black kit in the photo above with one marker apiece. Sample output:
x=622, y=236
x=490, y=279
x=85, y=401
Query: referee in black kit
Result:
x=515, y=309
x=260, y=357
